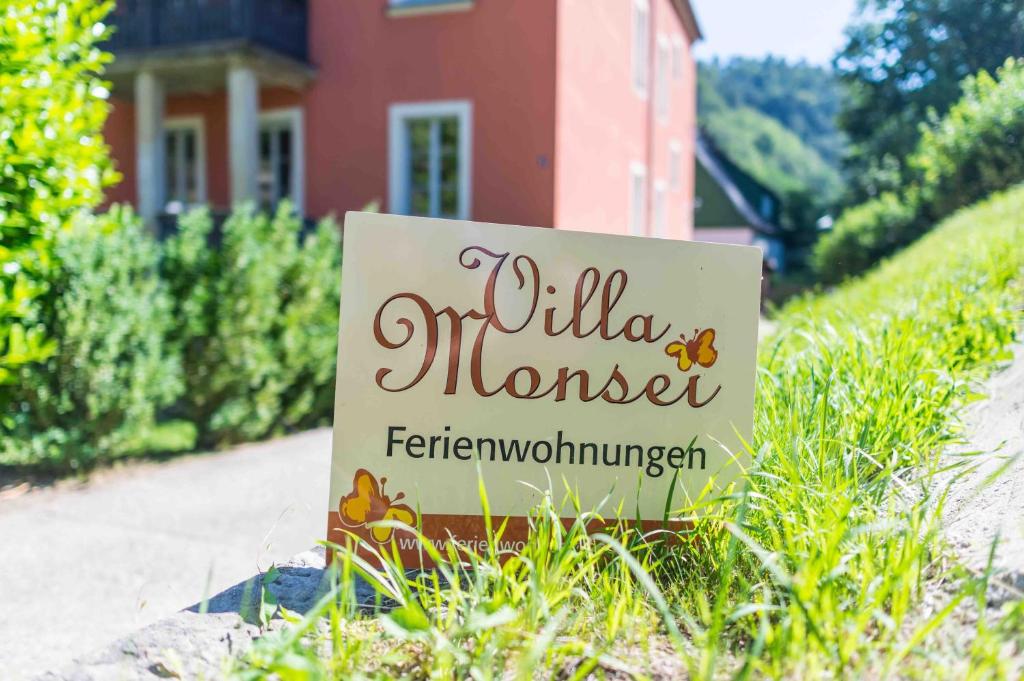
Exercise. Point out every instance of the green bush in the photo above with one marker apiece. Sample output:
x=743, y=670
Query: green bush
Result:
x=978, y=147
x=975, y=150
x=865, y=234
x=53, y=160
x=258, y=321
x=96, y=397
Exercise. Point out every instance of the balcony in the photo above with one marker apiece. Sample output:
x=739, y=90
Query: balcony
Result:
x=144, y=25
x=189, y=43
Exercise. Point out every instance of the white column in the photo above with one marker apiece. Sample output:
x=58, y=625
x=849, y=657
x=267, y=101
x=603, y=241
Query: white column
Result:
x=243, y=132
x=149, y=146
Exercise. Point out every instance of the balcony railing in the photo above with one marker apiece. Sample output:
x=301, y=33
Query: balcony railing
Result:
x=142, y=25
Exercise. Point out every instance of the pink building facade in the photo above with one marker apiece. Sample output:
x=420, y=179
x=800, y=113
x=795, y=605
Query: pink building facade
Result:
x=574, y=114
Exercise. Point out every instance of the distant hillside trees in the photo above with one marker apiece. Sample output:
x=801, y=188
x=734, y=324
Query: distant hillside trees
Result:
x=902, y=64
x=804, y=98
x=776, y=121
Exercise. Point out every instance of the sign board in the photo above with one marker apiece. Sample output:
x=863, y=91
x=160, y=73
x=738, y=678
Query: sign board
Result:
x=531, y=355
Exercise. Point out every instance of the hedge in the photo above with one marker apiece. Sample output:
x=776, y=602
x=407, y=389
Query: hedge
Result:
x=233, y=330
x=258, y=322
x=97, y=396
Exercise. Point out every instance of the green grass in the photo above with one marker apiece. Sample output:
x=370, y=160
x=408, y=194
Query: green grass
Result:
x=815, y=569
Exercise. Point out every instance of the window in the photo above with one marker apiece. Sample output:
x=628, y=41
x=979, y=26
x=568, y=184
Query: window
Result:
x=430, y=159
x=660, y=218
x=661, y=75
x=767, y=205
x=677, y=57
x=185, y=163
x=281, y=163
x=641, y=45
x=638, y=199
x=675, y=165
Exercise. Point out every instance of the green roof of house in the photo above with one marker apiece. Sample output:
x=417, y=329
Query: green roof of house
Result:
x=729, y=197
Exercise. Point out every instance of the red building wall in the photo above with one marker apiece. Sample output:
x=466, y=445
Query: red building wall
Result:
x=604, y=126
x=556, y=122
x=499, y=55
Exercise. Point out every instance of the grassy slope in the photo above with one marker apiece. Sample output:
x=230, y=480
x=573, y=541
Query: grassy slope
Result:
x=815, y=570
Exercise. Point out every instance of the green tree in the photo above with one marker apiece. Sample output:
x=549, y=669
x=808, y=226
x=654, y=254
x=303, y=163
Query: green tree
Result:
x=53, y=160
x=773, y=154
x=973, y=151
x=804, y=98
x=903, y=63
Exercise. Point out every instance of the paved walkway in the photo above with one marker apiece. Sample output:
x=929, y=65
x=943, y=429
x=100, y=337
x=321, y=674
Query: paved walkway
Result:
x=84, y=564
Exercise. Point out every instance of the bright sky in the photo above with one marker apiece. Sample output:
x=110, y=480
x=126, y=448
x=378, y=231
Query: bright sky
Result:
x=795, y=29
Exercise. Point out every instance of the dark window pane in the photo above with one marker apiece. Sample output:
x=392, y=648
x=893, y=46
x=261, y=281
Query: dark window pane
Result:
x=419, y=135
x=419, y=203
x=449, y=202
x=171, y=166
x=285, y=142
x=284, y=164
x=449, y=136
x=264, y=145
x=433, y=166
x=419, y=166
x=266, y=196
x=191, y=169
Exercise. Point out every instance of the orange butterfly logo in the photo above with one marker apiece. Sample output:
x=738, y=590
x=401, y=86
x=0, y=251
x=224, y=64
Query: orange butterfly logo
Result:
x=368, y=504
x=698, y=350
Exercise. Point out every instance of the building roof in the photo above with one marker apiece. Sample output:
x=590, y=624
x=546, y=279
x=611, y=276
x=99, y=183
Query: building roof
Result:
x=689, y=19
x=728, y=176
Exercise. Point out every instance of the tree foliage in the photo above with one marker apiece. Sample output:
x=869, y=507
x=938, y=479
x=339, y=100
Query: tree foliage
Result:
x=771, y=153
x=803, y=98
x=775, y=120
x=971, y=152
x=978, y=147
x=903, y=62
x=53, y=160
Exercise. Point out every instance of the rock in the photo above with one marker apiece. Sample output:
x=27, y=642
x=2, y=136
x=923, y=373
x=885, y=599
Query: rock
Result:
x=196, y=642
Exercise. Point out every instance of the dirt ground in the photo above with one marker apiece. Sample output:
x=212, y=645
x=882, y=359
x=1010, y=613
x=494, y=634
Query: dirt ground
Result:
x=986, y=495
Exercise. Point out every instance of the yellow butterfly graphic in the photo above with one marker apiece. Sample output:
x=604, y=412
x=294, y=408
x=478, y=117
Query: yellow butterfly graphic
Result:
x=698, y=350
x=367, y=504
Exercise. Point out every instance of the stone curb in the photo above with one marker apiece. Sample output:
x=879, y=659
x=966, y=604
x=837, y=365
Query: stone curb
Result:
x=195, y=644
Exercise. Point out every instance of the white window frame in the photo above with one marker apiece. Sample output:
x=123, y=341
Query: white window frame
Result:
x=677, y=57
x=398, y=150
x=291, y=115
x=406, y=8
x=675, y=165
x=662, y=77
x=197, y=124
x=641, y=46
x=660, y=209
x=637, y=200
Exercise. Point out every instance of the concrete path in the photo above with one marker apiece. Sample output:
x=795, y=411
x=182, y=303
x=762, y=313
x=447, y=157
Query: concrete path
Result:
x=84, y=564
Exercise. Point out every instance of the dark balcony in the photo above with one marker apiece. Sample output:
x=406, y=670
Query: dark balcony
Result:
x=146, y=25
x=191, y=44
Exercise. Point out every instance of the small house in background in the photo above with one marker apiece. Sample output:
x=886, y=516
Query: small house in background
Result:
x=731, y=207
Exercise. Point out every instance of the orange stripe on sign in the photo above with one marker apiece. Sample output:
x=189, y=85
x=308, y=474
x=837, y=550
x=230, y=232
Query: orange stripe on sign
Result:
x=467, y=531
